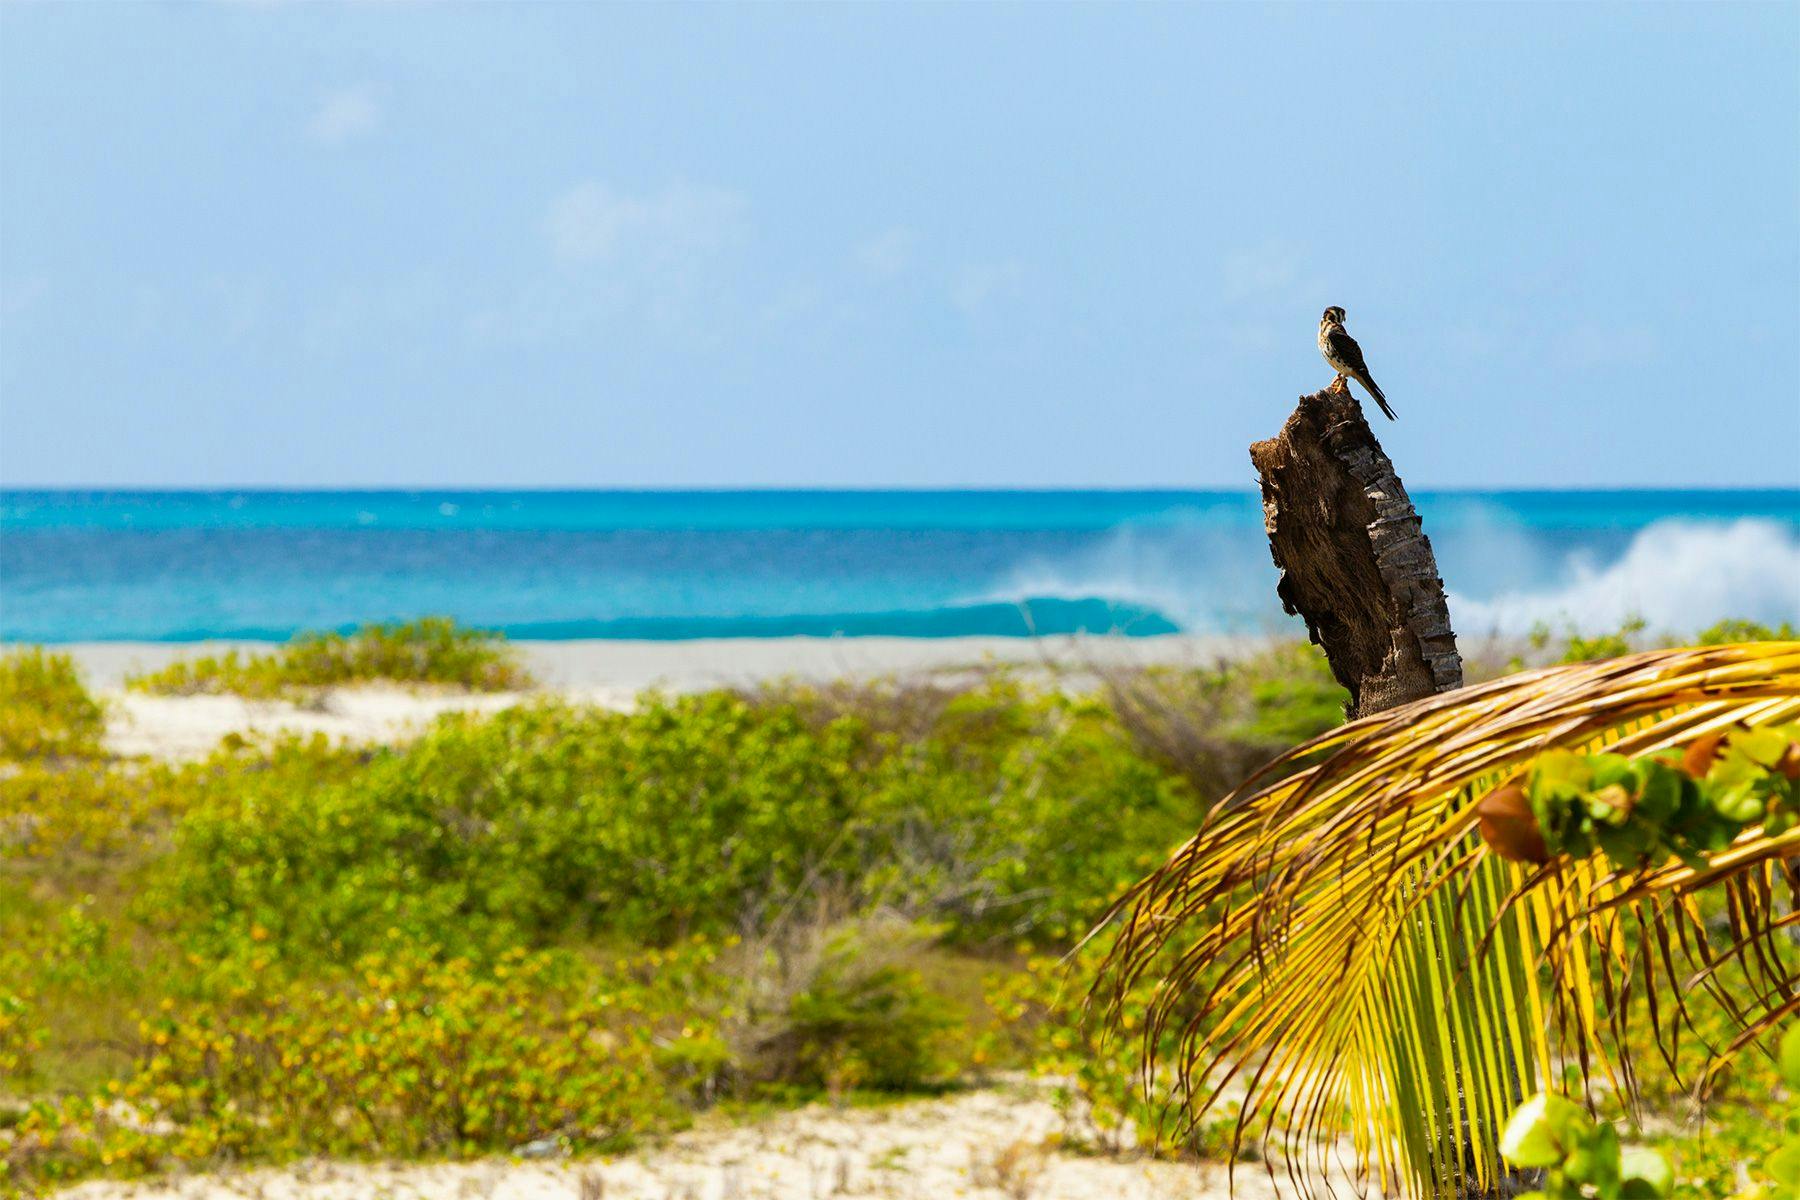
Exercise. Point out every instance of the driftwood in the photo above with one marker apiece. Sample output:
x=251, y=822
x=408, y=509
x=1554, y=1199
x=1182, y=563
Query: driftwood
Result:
x=1354, y=558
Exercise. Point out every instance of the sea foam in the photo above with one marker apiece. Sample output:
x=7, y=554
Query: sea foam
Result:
x=1678, y=576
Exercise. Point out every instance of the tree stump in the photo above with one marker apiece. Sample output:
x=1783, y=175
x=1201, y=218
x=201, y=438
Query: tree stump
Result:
x=1354, y=558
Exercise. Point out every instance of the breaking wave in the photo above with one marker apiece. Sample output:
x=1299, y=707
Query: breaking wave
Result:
x=1679, y=576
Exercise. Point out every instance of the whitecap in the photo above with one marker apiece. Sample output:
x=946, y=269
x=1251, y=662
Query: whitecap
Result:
x=1677, y=575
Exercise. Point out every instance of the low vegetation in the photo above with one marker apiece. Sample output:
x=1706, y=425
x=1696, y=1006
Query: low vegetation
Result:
x=563, y=925
x=45, y=712
x=431, y=651
x=1573, y=647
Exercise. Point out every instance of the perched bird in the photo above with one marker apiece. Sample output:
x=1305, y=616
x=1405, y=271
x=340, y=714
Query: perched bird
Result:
x=1345, y=356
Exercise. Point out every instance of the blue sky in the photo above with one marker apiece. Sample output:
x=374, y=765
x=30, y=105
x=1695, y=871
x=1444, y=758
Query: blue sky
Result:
x=561, y=244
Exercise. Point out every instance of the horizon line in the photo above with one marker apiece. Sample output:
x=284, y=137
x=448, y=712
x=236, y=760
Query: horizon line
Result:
x=834, y=489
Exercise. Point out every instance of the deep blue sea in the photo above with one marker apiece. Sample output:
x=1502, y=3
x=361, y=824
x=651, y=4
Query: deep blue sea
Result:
x=176, y=566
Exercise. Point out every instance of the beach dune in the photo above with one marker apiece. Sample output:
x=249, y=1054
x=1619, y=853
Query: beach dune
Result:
x=607, y=673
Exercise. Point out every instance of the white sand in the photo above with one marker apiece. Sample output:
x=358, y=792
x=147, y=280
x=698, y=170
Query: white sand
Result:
x=691, y=665
x=609, y=673
x=987, y=1145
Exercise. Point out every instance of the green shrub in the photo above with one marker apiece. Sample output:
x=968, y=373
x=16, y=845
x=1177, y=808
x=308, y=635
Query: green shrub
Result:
x=1576, y=648
x=538, y=823
x=1640, y=812
x=1628, y=638
x=696, y=814
x=1047, y=1026
x=45, y=712
x=70, y=812
x=1580, y=1158
x=875, y=1029
x=1016, y=816
x=1738, y=630
x=402, y=1056
x=20, y=1034
x=432, y=650
x=855, y=1013
x=1214, y=726
x=50, y=811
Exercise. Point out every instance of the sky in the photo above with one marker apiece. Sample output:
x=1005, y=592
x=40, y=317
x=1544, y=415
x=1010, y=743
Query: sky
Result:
x=561, y=244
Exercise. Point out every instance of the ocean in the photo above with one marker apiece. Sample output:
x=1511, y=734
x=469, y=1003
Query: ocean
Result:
x=190, y=565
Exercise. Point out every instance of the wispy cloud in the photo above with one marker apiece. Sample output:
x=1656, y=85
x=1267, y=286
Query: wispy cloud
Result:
x=976, y=287
x=592, y=222
x=887, y=253
x=344, y=115
x=657, y=257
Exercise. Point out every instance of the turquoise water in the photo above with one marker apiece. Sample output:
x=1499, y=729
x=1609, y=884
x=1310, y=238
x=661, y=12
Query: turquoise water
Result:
x=174, y=566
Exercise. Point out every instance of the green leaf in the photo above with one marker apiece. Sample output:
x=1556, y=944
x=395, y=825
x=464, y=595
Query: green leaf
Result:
x=1645, y=1173
x=1762, y=746
x=1543, y=1130
x=1790, y=1056
x=1626, y=845
x=1560, y=775
x=1659, y=791
x=1610, y=770
x=1610, y=804
x=1741, y=802
x=1783, y=1166
x=1606, y=1172
x=1530, y=1140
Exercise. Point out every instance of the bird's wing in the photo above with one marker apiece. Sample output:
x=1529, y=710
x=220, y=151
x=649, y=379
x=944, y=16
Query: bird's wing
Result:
x=1345, y=349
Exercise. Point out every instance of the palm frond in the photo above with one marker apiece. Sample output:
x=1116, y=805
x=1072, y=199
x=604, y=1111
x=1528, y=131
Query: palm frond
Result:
x=1340, y=945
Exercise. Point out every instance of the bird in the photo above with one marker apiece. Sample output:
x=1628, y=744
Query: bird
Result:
x=1345, y=356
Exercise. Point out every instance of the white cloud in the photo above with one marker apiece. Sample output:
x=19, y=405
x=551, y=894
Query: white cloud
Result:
x=659, y=259
x=976, y=287
x=592, y=222
x=887, y=253
x=344, y=115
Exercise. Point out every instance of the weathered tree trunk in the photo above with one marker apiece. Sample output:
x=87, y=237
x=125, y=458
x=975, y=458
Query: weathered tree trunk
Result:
x=1354, y=558
x=1355, y=562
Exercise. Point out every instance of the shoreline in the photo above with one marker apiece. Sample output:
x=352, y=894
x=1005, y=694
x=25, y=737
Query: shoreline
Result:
x=609, y=674
x=700, y=663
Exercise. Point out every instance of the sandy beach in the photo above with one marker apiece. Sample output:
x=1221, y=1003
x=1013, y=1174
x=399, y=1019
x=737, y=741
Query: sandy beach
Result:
x=632, y=666
x=608, y=673
x=999, y=1144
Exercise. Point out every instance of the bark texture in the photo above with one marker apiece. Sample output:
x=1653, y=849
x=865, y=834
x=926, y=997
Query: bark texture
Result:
x=1354, y=558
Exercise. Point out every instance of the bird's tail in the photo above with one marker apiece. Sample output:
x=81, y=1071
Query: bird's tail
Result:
x=1379, y=398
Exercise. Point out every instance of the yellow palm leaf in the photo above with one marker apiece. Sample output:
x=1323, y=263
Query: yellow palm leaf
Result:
x=1341, y=945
